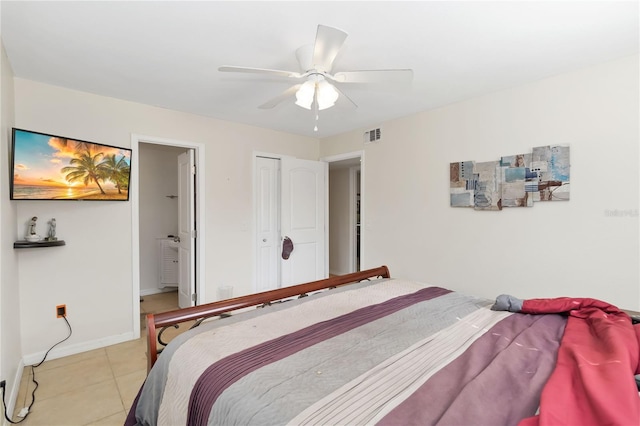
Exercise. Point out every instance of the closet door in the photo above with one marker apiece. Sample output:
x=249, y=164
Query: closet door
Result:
x=267, y=244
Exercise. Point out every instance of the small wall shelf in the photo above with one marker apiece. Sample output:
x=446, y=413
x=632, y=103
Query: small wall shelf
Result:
x=32, y=244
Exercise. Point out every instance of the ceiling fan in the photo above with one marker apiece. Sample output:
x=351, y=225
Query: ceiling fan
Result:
x=316, y=61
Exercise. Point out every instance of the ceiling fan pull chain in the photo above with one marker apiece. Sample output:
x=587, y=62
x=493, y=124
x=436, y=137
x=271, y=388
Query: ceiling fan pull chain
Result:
x=315, y=128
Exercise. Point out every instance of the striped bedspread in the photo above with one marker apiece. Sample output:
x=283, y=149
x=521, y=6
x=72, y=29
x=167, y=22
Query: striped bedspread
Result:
x=388, y=352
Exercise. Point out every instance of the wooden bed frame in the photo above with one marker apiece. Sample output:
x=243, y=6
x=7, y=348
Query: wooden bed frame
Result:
x=200, y=313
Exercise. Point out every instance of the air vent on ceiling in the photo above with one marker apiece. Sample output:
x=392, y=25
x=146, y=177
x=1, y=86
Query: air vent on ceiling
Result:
x=373, y=135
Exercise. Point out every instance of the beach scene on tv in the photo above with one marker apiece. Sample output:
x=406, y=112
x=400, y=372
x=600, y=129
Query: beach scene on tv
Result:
x=54, y=168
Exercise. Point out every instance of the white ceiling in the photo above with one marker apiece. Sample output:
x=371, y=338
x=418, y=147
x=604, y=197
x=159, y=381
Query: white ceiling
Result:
x=167, y=53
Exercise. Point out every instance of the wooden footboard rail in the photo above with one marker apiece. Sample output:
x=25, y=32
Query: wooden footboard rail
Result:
x=199, y=313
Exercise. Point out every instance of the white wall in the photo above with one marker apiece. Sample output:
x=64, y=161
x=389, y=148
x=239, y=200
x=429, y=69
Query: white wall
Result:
x=158, y=166
x=10, y=346
x=339, y=222
x=553, y=249
x=92, y=274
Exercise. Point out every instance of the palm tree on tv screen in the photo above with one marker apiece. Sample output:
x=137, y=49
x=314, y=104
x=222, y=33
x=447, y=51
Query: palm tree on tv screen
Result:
x=86, y=168
x=117, y=171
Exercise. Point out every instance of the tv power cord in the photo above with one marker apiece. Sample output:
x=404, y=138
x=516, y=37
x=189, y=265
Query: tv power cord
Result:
x=27, y=410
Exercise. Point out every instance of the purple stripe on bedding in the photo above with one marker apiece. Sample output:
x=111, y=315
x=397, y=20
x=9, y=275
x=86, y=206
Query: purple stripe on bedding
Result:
x=222, y=374
x=131, y=416
x=479, y=387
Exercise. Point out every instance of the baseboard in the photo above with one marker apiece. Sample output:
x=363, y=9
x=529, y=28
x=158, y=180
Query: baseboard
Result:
x=15, y=389
x=150, y=291
x=78, y=348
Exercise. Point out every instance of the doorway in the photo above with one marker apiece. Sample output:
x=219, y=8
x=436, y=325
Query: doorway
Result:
x=344, y=215
x=268, y=235
x=147, y=241
x=159, y=208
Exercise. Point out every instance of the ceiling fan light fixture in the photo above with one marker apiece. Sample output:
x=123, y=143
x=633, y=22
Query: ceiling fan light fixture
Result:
x=305, y=95
x=326, y=96
x=316, y=64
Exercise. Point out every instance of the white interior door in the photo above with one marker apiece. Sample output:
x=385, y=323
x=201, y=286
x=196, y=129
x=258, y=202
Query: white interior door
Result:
x=267, y=235
x=186, y=229
x=303, y=213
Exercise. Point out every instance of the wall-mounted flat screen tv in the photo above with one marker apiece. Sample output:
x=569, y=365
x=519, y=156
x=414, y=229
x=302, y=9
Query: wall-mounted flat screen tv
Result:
x=49, y=167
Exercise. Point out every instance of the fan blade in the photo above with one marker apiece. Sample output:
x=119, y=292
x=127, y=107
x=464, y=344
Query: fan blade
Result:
x=278, y=73
x=329, y=40
x=291, y=91
x=353, y=104
x=374, y=76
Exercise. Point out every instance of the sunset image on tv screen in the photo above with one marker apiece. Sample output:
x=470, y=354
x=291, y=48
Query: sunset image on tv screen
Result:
x=47, y=167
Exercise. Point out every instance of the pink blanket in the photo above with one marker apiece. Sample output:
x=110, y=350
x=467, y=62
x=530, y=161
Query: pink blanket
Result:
x=593, y=382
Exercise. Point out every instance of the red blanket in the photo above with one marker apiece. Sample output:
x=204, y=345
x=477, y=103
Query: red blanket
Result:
x=593, y=382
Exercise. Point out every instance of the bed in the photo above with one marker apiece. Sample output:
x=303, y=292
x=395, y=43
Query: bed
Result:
x=363, y=348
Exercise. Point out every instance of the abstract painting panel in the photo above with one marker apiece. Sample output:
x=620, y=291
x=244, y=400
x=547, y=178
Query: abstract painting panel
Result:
x=488, y=192
x=462, y=184
x=552, y=168
x=514, y=176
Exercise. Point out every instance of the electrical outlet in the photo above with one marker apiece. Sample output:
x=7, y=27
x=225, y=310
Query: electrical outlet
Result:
x=3, y=383
x=61, y=311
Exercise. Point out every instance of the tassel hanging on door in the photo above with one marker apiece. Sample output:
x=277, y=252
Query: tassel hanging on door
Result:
x=287, y=248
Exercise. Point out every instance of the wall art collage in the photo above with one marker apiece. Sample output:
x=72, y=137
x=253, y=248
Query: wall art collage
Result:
x=513, y=181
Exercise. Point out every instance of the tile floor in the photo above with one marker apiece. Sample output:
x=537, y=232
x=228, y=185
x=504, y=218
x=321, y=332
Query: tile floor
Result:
x=95, y=387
